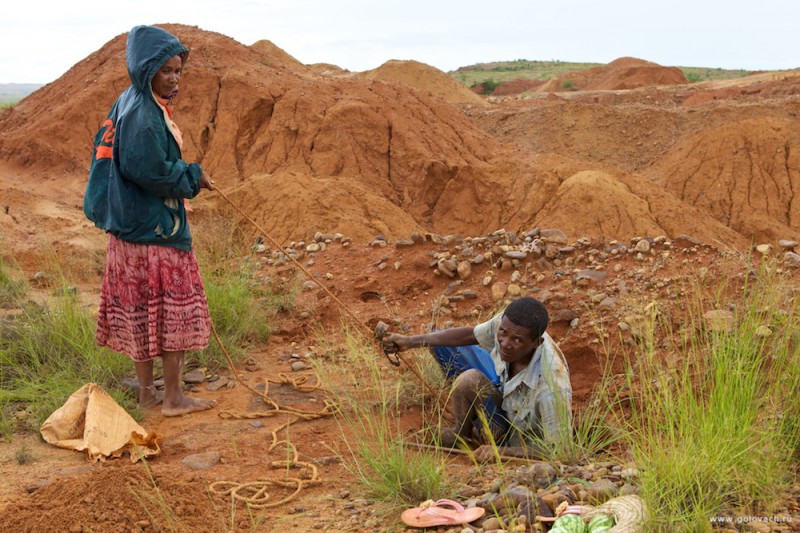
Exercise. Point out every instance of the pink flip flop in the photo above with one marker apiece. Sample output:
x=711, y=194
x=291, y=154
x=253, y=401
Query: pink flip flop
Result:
x=440, y=513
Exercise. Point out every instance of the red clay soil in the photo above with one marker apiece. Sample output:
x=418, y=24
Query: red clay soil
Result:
x=517, y=86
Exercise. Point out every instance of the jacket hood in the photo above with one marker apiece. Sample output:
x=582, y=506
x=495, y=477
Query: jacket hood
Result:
x=146, y=51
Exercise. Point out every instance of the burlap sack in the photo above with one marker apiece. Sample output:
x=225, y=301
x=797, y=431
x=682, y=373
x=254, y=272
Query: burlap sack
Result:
x=91, y=420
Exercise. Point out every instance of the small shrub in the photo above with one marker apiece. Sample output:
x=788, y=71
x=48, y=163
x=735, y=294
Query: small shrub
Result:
x=568, y=84
x=23, y=455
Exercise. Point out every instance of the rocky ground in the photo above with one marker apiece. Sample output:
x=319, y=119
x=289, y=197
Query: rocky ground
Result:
x=596, y=291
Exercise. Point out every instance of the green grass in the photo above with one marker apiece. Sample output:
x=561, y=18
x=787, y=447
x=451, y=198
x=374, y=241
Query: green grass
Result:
x=715, y=431
x=371, y=407
x=49, y=352
x=237, y=314
x=502, y=71
x=12, y=289
x=240, y=304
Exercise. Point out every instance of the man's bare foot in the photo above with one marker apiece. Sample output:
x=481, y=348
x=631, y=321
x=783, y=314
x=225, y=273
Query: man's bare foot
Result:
x=187, y=405
x=150, y=398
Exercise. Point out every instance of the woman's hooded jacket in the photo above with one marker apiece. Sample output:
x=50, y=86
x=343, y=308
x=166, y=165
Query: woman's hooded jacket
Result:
x=137, y=179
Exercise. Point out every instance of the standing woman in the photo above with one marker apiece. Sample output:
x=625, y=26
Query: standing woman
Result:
x=152, y=302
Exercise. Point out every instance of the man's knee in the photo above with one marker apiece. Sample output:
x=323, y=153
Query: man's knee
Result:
x=472, y=383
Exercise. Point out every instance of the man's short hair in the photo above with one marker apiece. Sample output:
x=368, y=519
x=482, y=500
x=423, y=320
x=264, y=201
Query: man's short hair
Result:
x=529, y=313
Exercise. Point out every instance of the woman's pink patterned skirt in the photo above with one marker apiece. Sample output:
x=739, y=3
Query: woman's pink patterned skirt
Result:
x=152, y=301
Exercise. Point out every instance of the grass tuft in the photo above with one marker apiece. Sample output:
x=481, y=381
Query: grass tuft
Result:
x=11, y=289
x=716, y=428
x=370, y=423
x=49, y=352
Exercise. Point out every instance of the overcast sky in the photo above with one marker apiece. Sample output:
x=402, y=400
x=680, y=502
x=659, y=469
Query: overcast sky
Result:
x=41, y=40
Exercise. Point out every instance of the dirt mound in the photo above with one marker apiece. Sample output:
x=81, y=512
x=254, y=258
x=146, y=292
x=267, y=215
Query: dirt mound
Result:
x=620, y=74
x=110, y=497
x=424, y=78
x=583, y=199
x=327, y=69
x=594, y=202
x=241, y=117
x=290, y=200
x=752, y=87
x=277, y=57
x=743, y=173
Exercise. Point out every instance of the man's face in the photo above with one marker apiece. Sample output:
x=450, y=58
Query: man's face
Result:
x=165, y=81
x=514, y=342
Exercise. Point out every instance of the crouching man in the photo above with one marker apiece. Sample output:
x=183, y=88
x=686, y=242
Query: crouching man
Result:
x=511, y=369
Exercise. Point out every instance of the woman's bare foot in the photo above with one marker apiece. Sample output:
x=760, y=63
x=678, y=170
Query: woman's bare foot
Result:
x=150, y=397
x=186, y=405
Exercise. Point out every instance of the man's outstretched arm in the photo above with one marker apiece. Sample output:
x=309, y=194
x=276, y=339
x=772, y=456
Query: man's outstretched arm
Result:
x=464, y=336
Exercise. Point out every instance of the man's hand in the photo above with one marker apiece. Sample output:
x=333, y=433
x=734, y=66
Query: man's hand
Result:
x=205, y=182
x=402, y=342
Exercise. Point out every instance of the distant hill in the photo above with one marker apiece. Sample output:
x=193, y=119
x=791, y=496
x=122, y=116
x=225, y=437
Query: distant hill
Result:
x=11, y=93
x=496, y=73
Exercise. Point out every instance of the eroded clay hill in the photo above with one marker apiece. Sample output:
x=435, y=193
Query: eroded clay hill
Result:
x=728, y=148
x=388, y=152
x=620, y=74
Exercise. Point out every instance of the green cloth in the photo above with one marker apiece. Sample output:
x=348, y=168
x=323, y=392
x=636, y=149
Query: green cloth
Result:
x=137, y=179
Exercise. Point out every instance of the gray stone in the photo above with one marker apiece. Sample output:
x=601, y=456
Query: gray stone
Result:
x=297, y=366
x=36, y=485
x=217, y=384
x=608, y=303
x=555, y=236
x=130, y=384
x=601, y=491
x=448, y=267
x=201, y=461
x=492, y=523
x=792, y=259
x=590, y=274
x=195, y=376
x=516, y=254
x=787, y=244
x=543, y=475
x=642, y=246
x=417, y=237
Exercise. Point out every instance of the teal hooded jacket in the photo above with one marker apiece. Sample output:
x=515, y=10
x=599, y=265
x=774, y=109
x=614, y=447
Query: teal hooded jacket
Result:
x=137, y=179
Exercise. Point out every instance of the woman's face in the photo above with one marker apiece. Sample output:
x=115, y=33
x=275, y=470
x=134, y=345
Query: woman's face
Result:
x=166, y=79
